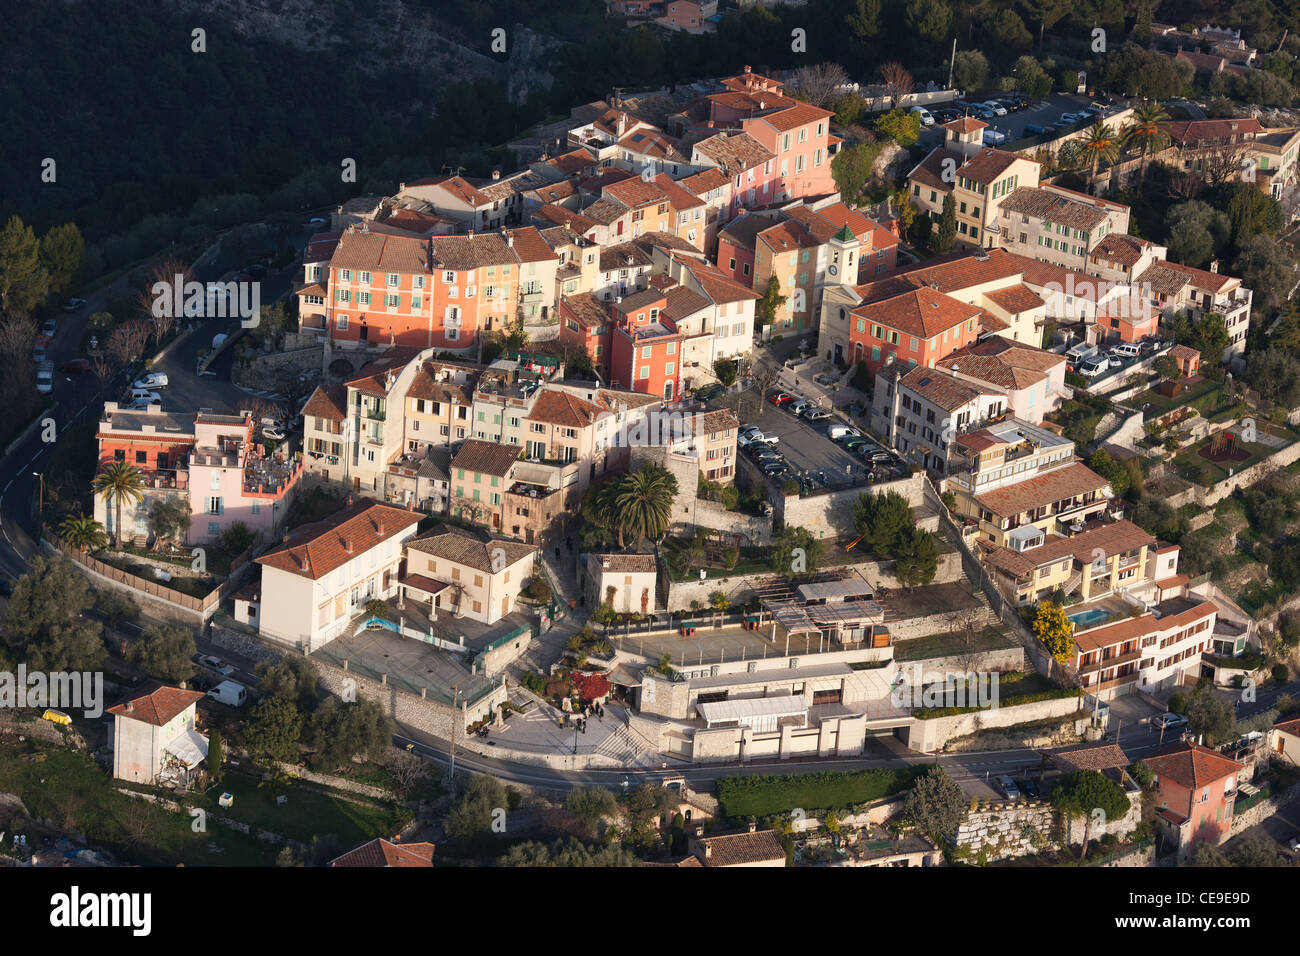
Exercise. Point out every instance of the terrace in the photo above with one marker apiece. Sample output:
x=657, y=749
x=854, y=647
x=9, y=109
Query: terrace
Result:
x=270, y=476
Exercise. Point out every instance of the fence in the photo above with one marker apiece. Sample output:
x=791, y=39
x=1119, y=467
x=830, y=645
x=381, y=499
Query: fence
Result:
x=204, y=606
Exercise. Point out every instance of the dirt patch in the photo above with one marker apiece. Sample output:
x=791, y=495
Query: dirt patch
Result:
x=1228, y=452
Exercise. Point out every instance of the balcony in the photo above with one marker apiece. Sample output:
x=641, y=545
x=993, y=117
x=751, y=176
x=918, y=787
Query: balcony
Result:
x=529, y=298
x=375, y=414
x=1112, y=662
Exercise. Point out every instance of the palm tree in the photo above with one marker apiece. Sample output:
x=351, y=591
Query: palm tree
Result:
x=1099, y=145
x=115, y=483
x=1144, y=132
x=599, y=508
x=644, y=501
x=82, y=532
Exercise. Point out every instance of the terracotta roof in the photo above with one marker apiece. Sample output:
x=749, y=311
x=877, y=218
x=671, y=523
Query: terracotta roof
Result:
x=1190, y=132
x=587, y=309
x=732, y=152
x=1067, y=481
x=1041, y=275
x=377, y=252
x=1176, y=581
x=664, y=240
x=1110, y=540
x=1134, y=627
x=605, y=210
x=706, y=181
x=744, y=229
x=921, y=312
x=739, y=849
x=1121, y=248
x=1016, y=298
x=1003, y=362
x=458, y=187
x=651, y=142
x=1192, y=765
x=574, y=161
x=156, y=703
x=635, y=192
x=966, y=124
x=382, y=853
x=1095, y=755
x=556, y=407
x=678, y=197
x=961, y=271
x=611, y=398
x=485, y=457
x=321, y=247
x=627, y=563
x=554, y=192
x=1289, y=725
x=427, y=386
x=750, y=101
x=683, y=302
x=623, y=256
x=471, y=550
x=787, y=237
x=1054, y=208
x=716, y=284
x=314, y=550
x=800, y=114
x=374, y=378
x=938, y=387
x=1184, y=352
x=712, y=422
x=464, y=253
x=327, y=401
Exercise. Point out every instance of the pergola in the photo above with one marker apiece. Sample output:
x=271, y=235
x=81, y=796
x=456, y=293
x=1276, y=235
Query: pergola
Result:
x=836, y=617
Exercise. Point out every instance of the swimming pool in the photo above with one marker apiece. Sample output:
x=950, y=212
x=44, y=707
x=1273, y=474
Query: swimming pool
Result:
x=1086, y=619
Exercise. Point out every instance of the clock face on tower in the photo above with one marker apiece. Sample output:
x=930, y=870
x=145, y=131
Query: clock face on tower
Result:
x=833, y=270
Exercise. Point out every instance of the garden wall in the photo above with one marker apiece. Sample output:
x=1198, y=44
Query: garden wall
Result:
x=711, y=514
x=831, y=514
x=928, y=736
x=265, y=367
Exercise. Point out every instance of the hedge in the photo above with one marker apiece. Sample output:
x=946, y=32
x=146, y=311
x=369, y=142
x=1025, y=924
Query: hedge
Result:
x=762, y=796
x=929, y=713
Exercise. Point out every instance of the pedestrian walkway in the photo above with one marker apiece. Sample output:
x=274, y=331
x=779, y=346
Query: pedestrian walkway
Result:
x=563, y=576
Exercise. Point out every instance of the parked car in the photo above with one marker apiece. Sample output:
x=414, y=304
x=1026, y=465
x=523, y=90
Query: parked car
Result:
x=841, y=433
x=710, y=392
x=780, y=398
x=1168, y=721
x=1068, y=119
x=1295, y=844
x=38, y=354
x=1029, y=788
x=1128, y=351
x=76, y=366
x=1095, y=108
x=983, y=112
x=797, y=407
x=72, y=305
x=857, y=442
x=217, y=664
x=775, y=469
x=275, y=434
x=49, y=327
x=1033, y=129
x=997, y=108
x=1094, y=366
x=826, y=378
x=151, y=381
x=45, y=378
x=818, y=415
x=746, y=438
x=1007, y=787
x=143, y=395
x=924, y=114
x=995, y=137
x=316, y=221
x=229, y=693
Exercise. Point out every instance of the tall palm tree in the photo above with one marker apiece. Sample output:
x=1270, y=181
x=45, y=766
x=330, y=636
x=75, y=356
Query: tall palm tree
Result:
x=1099, y=145
x=1144, y=132
x=118, y=482
x=644, y=502
x=82, y=532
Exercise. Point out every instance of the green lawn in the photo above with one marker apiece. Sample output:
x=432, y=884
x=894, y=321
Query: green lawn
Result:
x=309, y=812
x=766, y=795
x=1198, y=395
x=1191, y=466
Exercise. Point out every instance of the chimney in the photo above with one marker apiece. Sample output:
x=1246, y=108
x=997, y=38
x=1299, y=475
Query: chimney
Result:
x=699, y=830
x=1214, y=265
x=510, y=240
x=752, y=826
x=622, y=124
x=130, y=707
x=748, y=68
x=496, y=174
x=708, y=851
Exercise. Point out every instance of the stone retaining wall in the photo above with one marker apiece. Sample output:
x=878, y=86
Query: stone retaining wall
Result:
x=929, y=736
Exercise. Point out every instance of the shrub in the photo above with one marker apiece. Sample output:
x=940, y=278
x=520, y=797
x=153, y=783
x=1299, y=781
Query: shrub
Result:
x=1281, y=673
x=539, y=590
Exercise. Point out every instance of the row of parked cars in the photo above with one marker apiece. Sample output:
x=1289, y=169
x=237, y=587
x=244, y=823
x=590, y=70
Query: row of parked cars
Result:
x=1067, y=121
x=1091, y=361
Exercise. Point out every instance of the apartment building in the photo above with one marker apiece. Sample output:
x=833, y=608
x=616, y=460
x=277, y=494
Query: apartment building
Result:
x=601, y=135
x=645, y=346
x=577, y=260
x=689, y=16
x=979, y=179
x=313, y=292
x=1177, y=288
x=1057, y=225
x=157, y=444
x=918, y=410
x=585, y=324
x=325, y=433
x=323, y=574
x=1271, y=157
x=465, y=573
x=918, y=327
x=155, y=738
x=371, y=439
x=628, y=583
x=1105, y=558
x=480, y=477
x=1032, y=379
x=463, y=201
x=1196, y=793
x=749, y=167
x=709, y=436
x=232, y=481
x=1011, y=474
x=1121, y=258
x=729, y=325
x=713, y=186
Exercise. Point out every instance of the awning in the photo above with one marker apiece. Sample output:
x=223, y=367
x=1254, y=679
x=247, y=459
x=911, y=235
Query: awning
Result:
x=623, y=677
x=190, y=748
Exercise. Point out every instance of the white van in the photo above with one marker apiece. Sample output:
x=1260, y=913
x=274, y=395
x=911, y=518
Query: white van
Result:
x=924, y=114
x=142, y=395
x=1128, y=350
x=230, y=693
x=45, y=378
x=1093, y=366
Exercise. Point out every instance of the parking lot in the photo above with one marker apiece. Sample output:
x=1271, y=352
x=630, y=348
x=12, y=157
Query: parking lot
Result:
x=1038, y=113
x=809, y=452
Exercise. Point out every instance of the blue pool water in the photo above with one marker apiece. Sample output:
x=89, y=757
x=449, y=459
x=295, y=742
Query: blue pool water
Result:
x=1087, y=619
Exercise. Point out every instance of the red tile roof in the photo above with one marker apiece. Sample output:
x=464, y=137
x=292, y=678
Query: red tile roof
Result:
x=1067, y=481
x=966, y=124
x=378, y=252
x=485, y=457
x=382, y=853
x=555, y=407
x=156, y=703
x=327, y=401
x=922, y=313
x=314, y=550
x=1192, y=765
